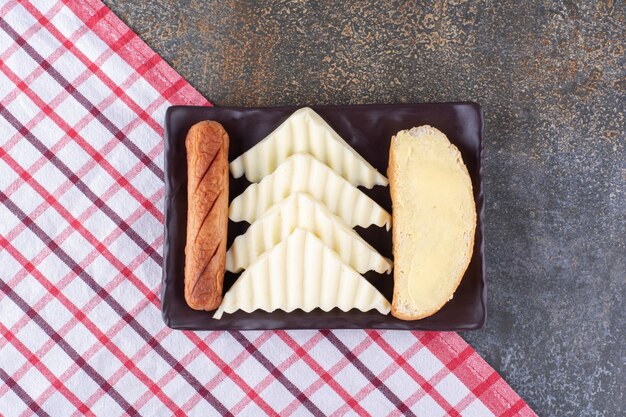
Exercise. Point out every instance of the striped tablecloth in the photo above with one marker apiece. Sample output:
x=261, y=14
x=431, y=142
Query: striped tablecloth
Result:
x=82, y=101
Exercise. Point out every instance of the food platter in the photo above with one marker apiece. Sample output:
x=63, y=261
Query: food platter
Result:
x=368, y=129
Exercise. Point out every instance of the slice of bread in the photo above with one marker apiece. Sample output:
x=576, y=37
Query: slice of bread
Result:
x=434, y=220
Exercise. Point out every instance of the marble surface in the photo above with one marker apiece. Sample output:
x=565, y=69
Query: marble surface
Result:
x=552, y=82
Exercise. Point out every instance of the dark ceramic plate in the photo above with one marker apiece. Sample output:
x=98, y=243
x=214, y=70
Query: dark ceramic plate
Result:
x=368, y=129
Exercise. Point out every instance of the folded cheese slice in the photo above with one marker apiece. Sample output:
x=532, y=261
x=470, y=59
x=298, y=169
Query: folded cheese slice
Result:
x=303, y=173
x=301, y=272
x=300, y=210
x=306, y=131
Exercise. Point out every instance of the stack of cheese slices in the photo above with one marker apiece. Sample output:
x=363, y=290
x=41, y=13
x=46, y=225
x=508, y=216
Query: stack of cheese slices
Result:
x=300, y=251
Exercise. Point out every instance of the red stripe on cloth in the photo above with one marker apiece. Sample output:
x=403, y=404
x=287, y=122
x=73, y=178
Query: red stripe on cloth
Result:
x=60, y=238
x=154, y=389
x=427, y=386
x=26, y=35
x=6, y=7
x=80, y=98
x=101, y=205
x=87, y=308
x=106, y=342
x=278, y=375
x=516, y=409
x=374, y=380
x=90, y=371
x=229, y=372
x=93, y=67
x=78, y=226
x=64, y=169
x=78, y=314
x=130, y=320
x=12, y=384
x=252, y=394
x=71, y=133
x=54, y=381
x=110, y=28
x=483, y=382
x=268, y=380
x=324, y=377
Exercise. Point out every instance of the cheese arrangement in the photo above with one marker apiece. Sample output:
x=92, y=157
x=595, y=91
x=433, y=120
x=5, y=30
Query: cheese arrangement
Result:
x=300, y=251
x=303, y=173
x=306, y=132
x=301, y=272
x=300, y=210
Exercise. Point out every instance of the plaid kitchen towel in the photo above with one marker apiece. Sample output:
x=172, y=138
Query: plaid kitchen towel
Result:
x=82, y=100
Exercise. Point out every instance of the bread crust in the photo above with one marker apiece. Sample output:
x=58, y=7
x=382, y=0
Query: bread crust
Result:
x=207, y=214
x=391, y=174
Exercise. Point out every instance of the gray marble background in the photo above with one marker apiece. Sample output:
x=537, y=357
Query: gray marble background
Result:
x=552, y=82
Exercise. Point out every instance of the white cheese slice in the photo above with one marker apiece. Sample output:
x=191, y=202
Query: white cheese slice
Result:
x=306, y=131
x=301, y=273
x=300, y=210
x=304, y=173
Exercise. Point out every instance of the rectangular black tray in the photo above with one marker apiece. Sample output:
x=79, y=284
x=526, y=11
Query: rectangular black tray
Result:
x=368, y=129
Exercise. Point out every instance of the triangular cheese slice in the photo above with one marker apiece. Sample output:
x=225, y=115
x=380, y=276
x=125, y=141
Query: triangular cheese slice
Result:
x=301, y=272
x=306, y=131
x=304, y=173
x=300, y=210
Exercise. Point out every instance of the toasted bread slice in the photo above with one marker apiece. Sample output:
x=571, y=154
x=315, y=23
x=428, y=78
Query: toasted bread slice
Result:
x=434, y=220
